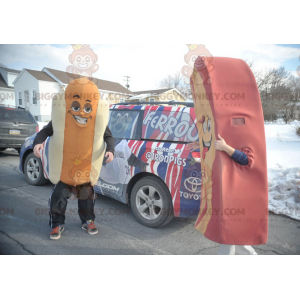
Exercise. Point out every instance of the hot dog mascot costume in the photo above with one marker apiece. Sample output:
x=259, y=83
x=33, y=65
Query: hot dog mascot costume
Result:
x=234, y=198
x=79, y=119
x=73, y=154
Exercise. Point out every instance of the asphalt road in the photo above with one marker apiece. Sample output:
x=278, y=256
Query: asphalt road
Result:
x=24, y=225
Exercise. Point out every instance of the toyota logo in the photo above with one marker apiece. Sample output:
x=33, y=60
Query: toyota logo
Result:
x=193, y=184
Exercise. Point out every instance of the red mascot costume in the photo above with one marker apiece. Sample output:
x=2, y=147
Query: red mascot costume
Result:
x=234, y=198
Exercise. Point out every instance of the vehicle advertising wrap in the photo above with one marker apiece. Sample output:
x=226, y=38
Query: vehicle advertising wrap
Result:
x=174, y=164
x=170, y=124
x=153, y=139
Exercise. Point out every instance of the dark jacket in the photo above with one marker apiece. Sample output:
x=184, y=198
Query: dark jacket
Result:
x=48, y=131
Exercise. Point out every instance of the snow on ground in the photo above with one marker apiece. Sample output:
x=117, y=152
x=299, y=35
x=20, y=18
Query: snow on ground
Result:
x=283, y=159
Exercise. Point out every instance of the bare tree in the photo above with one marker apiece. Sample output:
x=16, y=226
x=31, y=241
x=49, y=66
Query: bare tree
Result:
x=279, y=91
x=275, y=92
x=292, y=102
x=176, y=81
x=251, y=65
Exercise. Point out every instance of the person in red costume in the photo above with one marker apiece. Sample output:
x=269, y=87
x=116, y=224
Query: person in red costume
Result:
x=242, y=159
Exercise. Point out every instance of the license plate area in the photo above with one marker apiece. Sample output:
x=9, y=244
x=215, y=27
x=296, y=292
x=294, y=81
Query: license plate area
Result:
x=13, y=131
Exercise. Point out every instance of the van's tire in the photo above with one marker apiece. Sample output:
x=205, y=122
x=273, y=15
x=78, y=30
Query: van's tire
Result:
x=151, y=202
x=33, y=170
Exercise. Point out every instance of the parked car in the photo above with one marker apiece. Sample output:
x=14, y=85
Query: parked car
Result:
x=152, y=170
x=16, y=124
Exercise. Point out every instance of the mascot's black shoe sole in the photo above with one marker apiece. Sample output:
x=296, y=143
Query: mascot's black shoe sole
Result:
x=90, y=227
x=55, y=234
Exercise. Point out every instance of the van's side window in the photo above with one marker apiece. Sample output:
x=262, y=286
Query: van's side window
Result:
x=123, y=123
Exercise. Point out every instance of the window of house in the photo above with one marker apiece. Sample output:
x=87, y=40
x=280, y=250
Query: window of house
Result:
x=151, y=99
x=26, y=96
x=20, y=98
x=34, y=100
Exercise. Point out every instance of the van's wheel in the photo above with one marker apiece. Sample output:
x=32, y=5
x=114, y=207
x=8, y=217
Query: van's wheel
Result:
x=33, y=170
x=151, y=202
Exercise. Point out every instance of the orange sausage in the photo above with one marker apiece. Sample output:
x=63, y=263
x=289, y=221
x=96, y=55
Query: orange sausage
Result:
x=77, y=147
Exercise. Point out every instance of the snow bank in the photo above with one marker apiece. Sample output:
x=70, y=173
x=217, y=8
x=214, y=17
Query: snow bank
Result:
x=283, y=159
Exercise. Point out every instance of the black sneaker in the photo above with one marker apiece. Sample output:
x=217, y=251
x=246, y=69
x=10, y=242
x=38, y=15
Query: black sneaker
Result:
x=56, y=232
x=90, y=227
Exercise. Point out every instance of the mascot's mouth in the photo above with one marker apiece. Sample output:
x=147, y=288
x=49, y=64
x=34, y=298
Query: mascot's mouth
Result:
x=118, y=127
x=83, y=65
x=206, y=147
x=80, y=120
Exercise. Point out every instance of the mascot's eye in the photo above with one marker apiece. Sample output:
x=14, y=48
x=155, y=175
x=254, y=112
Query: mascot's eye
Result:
x=87, y=108
x=118, y=115
x=87, y=174
x=126, y=116
x=204, y=127
x=78, y=173
x=75, y=106
x=203, y=58
x=209, y=125
x=194, y=58
x=78, y=58
x=87, y=59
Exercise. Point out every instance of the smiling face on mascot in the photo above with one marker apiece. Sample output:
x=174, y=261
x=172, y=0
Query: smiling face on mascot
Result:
x=79, y=119
x=234, y=198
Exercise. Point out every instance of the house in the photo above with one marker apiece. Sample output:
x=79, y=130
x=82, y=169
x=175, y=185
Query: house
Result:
x=111, y=91
x=158, y=95
x=34, y=90
x=7, y=94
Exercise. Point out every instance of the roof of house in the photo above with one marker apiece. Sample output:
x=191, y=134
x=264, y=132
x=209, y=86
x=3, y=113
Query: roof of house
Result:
x=3, y=83
x=40, y=75
x=101, y=84
x=11, y=70
x=139, y=97
x=153, y=91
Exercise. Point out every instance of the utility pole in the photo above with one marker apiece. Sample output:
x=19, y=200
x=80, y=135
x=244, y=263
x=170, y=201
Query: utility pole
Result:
x=127, y=81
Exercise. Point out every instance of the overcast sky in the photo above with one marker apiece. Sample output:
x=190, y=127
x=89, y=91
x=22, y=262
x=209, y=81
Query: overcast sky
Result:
x=147, y=65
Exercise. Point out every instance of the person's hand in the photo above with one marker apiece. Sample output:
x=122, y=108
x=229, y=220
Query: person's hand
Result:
x=36, y=150
x=193, y=146
x=110, y=157
x=220, y=144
